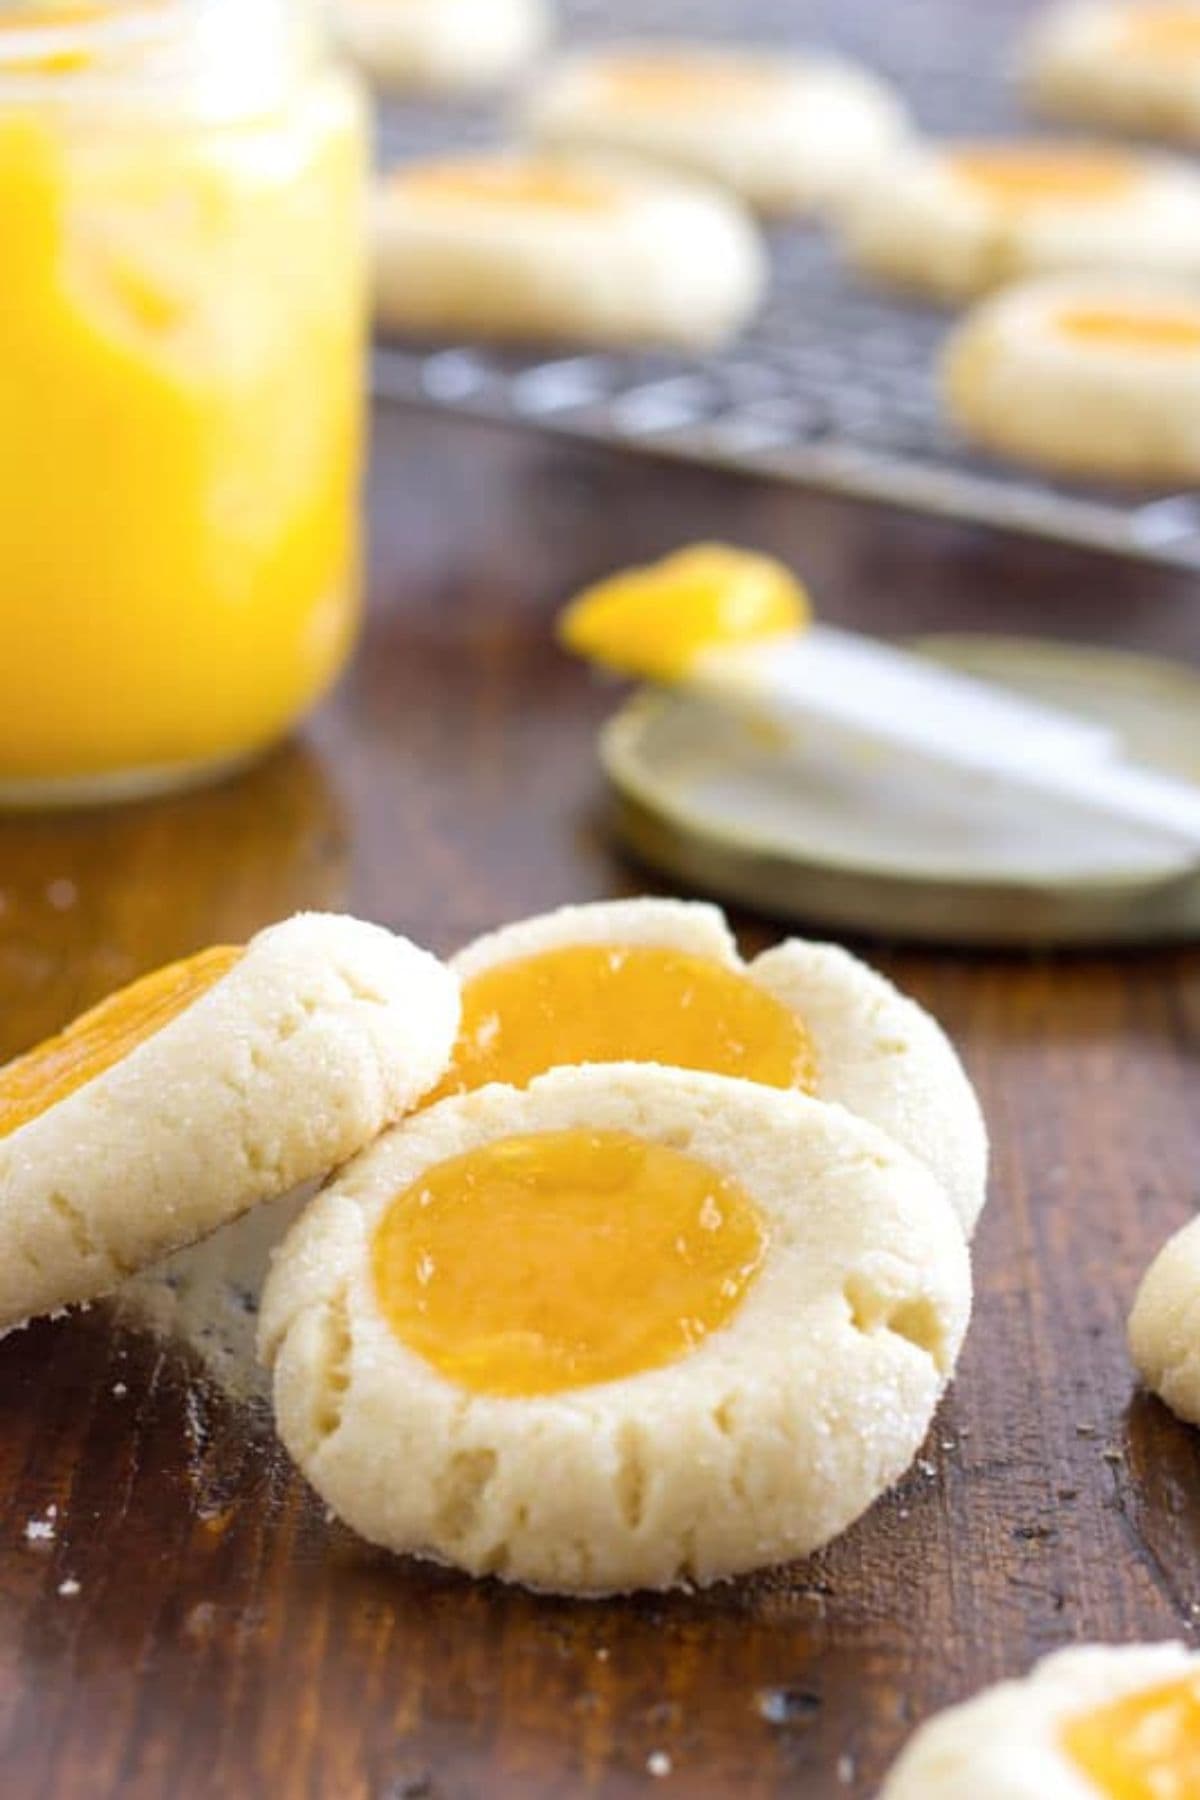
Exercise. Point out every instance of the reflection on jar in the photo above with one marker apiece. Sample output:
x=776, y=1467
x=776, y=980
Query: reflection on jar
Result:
x=91, y=900
x=181, y=339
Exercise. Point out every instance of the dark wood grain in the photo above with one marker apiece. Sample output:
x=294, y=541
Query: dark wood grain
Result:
x=227, y=1639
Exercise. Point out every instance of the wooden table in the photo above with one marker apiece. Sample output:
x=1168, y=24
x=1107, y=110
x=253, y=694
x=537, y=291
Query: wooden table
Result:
x=226, y=1639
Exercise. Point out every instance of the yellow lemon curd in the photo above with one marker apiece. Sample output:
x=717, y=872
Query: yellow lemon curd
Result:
x=181, y=328
x=553, y=1261
x=104, y=1036
x=1167, y=31
x=1144, y=1746
x=1133, y=328
x=591, y=1003
x=656, y=622
x=1045, y=174
x=508, y=183
x=670, y=79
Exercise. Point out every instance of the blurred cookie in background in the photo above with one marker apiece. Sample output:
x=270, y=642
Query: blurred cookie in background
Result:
x=533, y=248
x=787, y=133
x=441, y=45
x=1134, y=67
x=956, y=219
x=1087, y=375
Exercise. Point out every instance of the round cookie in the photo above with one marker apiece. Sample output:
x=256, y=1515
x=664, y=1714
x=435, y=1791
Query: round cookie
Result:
x=529, y=247
x=1164, y=1326
x=1084, y=1724
x=784, y=132
x=803, y=1014
x=204, y=1088
x=954, y=220
x=1084, y=375
x=441, y=45
x=1128, y=65
x=630, y=1327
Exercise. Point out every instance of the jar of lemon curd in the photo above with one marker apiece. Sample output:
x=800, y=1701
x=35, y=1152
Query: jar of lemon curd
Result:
x=181, y=337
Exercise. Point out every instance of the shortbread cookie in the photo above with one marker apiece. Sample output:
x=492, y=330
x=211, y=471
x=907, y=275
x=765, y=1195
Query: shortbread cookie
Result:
x=535, y=248
x=1086, y=375
x=1132, y=65
x=1086, y=1724
x=1164, y=1327
x=441, y=45
x=784, y=132
x=953, y=220
x=662, y=981
x=630, y=1327
x=204, y=1088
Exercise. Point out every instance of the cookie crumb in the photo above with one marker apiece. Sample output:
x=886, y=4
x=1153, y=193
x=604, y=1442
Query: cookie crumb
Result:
x=41, y=1531
x=69, y=1588
x=119, y=1390
x=62, y=894
x=788, y=1706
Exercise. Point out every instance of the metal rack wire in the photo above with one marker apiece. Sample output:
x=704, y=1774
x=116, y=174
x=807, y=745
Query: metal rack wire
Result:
x=833, y=385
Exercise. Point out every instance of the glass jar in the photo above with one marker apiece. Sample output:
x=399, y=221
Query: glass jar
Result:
x=182, y=306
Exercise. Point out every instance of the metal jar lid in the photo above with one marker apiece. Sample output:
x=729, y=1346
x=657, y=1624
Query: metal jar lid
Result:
x=721, y=809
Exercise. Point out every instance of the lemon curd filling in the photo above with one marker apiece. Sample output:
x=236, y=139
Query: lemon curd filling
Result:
x=536, y=186
x=104, y=1036
x=553, y=1261
x=181, y=332
x=1163, y=30
x=1041, y=174
x=1144, y=1746
x=1126, y=328
x=656, y=622
x=692, y=83
x=591, y=1003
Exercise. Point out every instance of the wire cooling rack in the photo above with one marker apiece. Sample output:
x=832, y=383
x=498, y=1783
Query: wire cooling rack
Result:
x=833, y=386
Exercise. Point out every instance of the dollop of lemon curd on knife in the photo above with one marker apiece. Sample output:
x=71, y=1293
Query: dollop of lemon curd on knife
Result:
x=104, y=1036
x=1128, y=326
x=596, y=1003
x=181, y=326
x=1144, y=1746
x=656, y=622
x=547, y=1262
x=1030, y=175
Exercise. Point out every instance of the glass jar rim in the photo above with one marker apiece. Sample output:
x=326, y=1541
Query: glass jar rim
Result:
x=212, y=58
